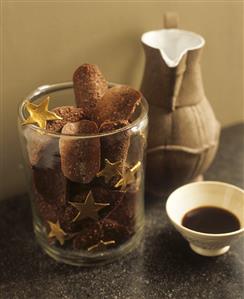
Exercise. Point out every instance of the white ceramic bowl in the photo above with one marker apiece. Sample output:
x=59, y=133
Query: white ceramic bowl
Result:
x=200, y=194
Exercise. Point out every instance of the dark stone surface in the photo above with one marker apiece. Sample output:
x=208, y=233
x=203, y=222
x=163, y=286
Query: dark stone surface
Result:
x=162, y=267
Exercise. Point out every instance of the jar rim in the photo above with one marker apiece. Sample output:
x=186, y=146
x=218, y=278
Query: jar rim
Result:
x=47, y=89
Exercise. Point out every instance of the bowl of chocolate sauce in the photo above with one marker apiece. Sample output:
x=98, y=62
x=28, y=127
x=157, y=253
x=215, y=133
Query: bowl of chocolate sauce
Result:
x=209, y=215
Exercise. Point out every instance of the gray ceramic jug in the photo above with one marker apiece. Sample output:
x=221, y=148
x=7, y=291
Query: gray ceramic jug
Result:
x=183, y=131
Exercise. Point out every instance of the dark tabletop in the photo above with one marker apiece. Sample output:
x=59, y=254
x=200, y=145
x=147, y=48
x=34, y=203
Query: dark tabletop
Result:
x=162, y=267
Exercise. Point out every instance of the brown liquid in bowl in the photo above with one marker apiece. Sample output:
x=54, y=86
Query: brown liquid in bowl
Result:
x=211, y=220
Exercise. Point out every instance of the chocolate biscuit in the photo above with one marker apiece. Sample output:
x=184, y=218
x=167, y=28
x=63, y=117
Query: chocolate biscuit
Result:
x=105, y=195
x=43, y=150
x=50, y=183
x=115, y=147
x=47, y=211
x=118, y=103
x=125, y=213
x=66, y=218
x=80, y=158
x=68, y=114
x=88, y=236
x=89, y=87
x=112, y=230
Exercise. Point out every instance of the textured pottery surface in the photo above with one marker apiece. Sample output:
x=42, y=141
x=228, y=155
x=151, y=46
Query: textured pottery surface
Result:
x=183, y=131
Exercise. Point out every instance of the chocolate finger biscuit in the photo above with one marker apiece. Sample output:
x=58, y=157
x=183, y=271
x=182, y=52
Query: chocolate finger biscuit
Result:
x=118, y=103
x=105, y=195
x=89, y=87
x=115, y=147
x=112, y=230
x=80, y=158
x=50, y=183
x=88, y=236
x=43, y=149
x=47, y=211
x=125, y=213
x=68, y=114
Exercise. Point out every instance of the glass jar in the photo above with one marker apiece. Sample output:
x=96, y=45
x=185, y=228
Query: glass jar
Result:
x=101, y=217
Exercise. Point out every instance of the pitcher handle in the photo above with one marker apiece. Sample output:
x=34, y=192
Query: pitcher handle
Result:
x=171, y=20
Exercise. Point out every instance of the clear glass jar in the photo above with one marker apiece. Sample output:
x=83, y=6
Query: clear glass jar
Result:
x=101, y=218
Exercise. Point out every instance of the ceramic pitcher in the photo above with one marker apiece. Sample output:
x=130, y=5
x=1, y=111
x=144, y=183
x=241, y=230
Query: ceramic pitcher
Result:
x=183, y=131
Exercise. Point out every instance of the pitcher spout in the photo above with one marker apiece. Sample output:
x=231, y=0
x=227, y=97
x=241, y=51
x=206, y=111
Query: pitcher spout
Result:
x=172, y=44
x=170, y=53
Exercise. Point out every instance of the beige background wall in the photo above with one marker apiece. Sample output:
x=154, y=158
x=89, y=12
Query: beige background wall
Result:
x=43, y=42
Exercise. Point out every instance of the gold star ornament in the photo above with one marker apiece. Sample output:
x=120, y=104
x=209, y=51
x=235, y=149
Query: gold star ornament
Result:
x=101, y=245
x=56, y=232
x=39, y=114
x=110, y=171
x=88, y=209
x=129, y=176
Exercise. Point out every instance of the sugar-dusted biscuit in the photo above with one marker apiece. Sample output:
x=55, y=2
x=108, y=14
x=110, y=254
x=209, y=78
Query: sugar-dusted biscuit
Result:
x=44, y=149
x=118, y=103
x=50, y=183
x=77, y=189
x=126, y=212
x=88, y=236
x=105, y=195
x=68, y=114
x=66, y=217
x=114, y=147
x=46, y=210
x=80, y=158
x=89, y=87
x=112, y=230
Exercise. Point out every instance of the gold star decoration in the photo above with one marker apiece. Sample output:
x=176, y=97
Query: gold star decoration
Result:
x=129, y=176
x=39, y=114
x=57, y=232
x=88, y=209
x=110, y=170
x=101, y=245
